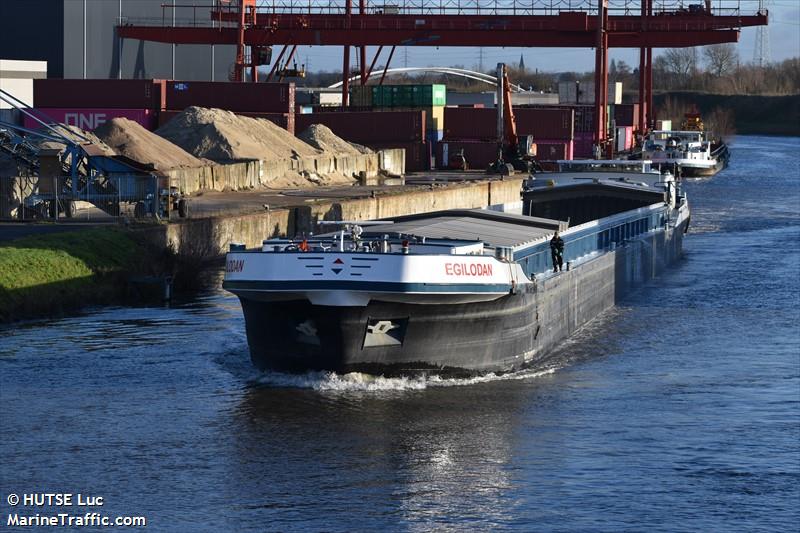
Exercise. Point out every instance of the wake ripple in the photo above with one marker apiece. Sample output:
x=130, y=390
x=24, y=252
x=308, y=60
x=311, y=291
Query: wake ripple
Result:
x=360, y=382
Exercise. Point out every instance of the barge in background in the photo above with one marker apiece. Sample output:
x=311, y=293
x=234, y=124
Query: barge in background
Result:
x=690, y=153
x=460, y=291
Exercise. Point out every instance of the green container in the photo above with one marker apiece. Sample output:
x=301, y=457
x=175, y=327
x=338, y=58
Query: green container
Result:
x=429, y=95
x=409, y=95
x=381, y=96
x=361, y=96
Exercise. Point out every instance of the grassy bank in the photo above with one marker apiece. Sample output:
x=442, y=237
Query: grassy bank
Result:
x=54, y=273
x=752, y=115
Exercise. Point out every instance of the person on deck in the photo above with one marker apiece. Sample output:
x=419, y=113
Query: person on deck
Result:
x=557, y=252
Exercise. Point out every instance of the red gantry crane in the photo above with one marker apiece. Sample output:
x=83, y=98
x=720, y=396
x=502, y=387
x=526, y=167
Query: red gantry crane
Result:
x=642, y=24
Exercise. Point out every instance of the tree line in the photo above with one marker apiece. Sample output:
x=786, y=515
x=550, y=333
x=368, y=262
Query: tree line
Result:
x=714, y=69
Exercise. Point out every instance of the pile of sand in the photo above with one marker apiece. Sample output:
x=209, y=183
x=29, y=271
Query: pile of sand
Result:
x=131, y=139
x=75, y=133
x=321, y=137
x=222, y=136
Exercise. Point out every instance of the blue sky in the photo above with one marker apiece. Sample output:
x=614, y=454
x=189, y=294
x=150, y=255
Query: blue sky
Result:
x=784, y=38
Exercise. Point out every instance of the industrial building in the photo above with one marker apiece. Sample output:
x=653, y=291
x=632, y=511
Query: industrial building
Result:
x=78, y=39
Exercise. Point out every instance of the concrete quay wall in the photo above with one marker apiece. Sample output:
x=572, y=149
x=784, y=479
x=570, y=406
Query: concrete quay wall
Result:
x=208, y=237
x=568, y=301
x=246, y=175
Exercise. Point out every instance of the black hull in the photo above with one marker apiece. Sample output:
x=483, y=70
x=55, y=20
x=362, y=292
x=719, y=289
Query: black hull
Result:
x=297, y=336
x=512, y=332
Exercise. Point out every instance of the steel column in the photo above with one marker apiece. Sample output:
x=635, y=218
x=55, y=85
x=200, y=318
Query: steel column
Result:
x=345, y=75
x=253, y=66
x=362, y=10
x=239, y=67
x=650, y=112
x=372, y=65
x=348, y=8
x=649, y=89
x=640, y=119
x=388, y=62
x=601, y=75
x=277, y=62
x=288, y=60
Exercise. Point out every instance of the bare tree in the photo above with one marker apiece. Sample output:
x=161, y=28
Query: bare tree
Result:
x=681, y=61
x=720, y=58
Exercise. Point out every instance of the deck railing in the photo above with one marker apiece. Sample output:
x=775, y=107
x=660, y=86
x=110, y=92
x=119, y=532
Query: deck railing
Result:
x=595, y=236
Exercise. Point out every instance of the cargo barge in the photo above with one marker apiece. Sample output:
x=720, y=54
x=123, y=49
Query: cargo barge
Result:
x=459, y=291
x=690, y=153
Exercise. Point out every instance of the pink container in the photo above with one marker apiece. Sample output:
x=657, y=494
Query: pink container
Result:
x=89, y=119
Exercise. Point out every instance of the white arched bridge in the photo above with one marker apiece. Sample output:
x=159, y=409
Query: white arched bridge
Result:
x=464, y=73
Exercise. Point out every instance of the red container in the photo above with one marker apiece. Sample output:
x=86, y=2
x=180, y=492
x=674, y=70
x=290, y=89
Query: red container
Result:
x=99, y=94
x=545, y=123
x=470, y=123
x=165, y=116
x=552, y=151
x=582, y=145
x=418, y=154
x=284, y=120
x=626, y=114
x=479, y=154
x=237, y=97
x=89, y=119
x=367, y=128
x=584, y=119
x=546, y=150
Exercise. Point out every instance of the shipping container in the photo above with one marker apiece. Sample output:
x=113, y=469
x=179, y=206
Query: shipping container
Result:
x=89, y=119
x=584, y=119
x=663, y=125
x=418, y=154
x=429, y=95
x=99, y=94
x=434, y=115
x=545, y=123
x=626, y=114
x=367, y=127
x=252, y=97
x=545, y=153
x=623, y=138
x=470, y=123
x=552, y=151
x=405, y=96
x=583, y=145
x=479, y=154
x=361, y=96
x=434, y=135
x=334, y=109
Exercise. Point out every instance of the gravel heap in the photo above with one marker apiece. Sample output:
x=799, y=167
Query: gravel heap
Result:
x=67, y=131
x=223, y=136
x=321, y=137
x=131, y=139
